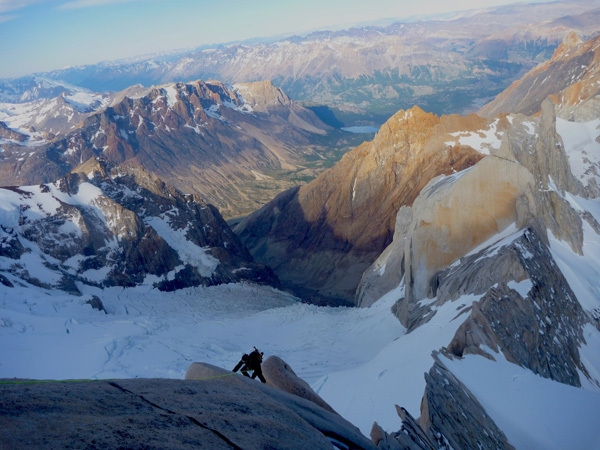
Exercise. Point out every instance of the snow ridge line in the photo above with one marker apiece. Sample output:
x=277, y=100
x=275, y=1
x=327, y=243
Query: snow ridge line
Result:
x=190, y=418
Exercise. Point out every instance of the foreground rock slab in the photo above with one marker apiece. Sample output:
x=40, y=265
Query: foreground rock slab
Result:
x=223, y=411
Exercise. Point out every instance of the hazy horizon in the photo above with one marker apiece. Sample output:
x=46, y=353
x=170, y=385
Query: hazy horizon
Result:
x=43, y=35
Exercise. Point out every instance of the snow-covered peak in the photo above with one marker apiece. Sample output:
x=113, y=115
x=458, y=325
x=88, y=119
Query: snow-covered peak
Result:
x=94, y=227
x=582, y=143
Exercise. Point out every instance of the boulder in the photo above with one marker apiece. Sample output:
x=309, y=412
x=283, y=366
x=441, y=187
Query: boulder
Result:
x=204, y=371
x=280, y=375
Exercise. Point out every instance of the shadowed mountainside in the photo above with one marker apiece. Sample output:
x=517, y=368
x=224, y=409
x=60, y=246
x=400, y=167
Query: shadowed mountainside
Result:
x=323, y=235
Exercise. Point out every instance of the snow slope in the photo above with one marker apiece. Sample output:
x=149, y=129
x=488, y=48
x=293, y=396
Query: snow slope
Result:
x=533, y=412
x=148, y=333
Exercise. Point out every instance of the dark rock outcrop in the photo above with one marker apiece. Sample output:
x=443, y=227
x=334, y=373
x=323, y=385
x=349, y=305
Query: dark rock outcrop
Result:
x=9, y=134
x=96, y=303
x=451, y=417
x=541, y=330
x=217, y=412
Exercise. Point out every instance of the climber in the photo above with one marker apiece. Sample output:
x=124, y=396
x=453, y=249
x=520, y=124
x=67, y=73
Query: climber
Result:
x=251, y=362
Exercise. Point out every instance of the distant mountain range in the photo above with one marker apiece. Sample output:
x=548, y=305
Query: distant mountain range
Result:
x=367, y=74
x=321, y=237
x=480, y=231
x=236, y=146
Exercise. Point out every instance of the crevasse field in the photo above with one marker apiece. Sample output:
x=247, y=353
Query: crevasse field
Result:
x=361, y=361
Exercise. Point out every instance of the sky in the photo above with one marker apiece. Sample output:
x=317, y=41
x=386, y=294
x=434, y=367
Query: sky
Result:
x=43, y=35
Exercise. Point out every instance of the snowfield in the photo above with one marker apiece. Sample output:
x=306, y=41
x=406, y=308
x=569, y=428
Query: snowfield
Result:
x=148, y=333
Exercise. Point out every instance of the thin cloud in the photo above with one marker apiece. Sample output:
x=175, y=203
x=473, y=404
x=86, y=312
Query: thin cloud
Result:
x=14, y=5
x=79, y=4
x=7, y=17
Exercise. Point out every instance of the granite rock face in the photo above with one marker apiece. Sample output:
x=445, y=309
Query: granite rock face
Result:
x=519, y=183
x=488, y=237
x=451, y=417
x=277, y=373
x=321, y=236
x=280, y=375
x=220, y=410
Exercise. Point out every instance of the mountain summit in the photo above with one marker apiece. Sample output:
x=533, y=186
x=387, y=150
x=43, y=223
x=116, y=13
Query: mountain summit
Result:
x=233, y=145
x=323, y=235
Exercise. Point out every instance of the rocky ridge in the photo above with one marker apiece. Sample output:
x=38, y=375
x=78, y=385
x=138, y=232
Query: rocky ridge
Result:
x=104, y=225
x=572, y=75
x=342, y=229
x=41, y=110
x=234, y=146
x=485, y=234
x=518, y=184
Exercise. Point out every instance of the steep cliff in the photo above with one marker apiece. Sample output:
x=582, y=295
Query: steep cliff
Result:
x=492, y=239
x=519, y=184
x=323, y=235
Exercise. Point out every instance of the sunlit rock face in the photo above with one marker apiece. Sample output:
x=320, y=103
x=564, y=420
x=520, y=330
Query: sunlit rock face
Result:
x=491, y=240
x=520, y=182
x=321, y=236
